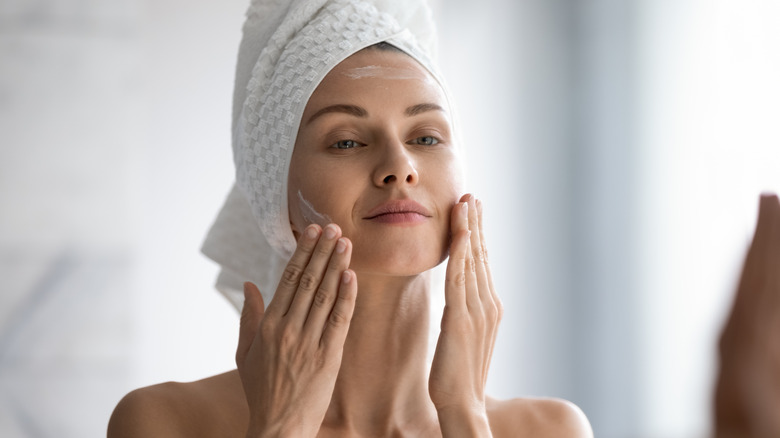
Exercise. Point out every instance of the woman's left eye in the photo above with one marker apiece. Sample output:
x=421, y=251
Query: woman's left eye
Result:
x=426, y=141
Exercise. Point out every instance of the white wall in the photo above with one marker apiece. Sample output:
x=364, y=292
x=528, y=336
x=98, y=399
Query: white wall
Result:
x=114, y=158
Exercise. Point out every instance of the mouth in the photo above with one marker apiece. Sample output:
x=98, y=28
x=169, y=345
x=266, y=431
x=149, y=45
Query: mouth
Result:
x=398, y=211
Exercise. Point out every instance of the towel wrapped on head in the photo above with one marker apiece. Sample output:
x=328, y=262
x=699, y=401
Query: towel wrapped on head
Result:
x=287, y=49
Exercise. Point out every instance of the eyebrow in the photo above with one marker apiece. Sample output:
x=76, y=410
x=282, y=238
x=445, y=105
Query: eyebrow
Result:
x=422, y=108
x=352, y=110
x=357, y=111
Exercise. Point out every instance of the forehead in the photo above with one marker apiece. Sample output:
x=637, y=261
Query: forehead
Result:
x=377, y=73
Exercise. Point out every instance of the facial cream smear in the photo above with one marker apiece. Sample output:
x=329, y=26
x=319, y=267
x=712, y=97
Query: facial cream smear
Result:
x=378, y=71
x=311, y=215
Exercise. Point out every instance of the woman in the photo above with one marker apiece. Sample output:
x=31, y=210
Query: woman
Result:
x=374, y=201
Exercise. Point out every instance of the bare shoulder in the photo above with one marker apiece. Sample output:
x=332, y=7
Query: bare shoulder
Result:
x=537, y=417
x=210, y=407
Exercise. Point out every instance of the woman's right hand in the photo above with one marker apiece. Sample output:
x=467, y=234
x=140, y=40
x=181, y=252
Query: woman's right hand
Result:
x=289, y=355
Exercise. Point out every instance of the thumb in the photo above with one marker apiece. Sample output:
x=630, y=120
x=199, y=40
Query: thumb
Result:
x=251, y=315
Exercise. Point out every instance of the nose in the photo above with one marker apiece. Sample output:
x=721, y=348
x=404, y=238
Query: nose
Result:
x=395, y=166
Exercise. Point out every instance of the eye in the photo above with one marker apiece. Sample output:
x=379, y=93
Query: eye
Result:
x=345, y=144
x=426, y=141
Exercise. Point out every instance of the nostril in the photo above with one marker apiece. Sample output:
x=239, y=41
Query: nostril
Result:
x=389, y=178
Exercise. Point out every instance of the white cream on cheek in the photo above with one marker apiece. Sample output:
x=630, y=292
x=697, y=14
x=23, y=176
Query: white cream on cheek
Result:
x=310, y=214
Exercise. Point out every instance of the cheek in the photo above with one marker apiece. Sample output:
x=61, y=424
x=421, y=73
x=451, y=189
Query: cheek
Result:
x=321, y=201
x=306, y=207
x=449, y=192
x=304, y=192
x=308, y=213
x=458, y=174
x=450, y=180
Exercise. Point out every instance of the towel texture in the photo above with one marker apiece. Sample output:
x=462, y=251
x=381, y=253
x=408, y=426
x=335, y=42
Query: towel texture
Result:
x=286, y=50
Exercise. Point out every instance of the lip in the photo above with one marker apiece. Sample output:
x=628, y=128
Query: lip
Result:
x=398, y=211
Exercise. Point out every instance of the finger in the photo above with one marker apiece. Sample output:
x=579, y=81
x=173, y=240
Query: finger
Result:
x=312, y=275
x=478, y=254
x=478, y=292
x=288, y=284
x=338, y=321
x=753, y=303
x=251, y=315
x=455, y=277
x=486, y=256
x=326, y=294
x=459, y=217
x=471, y=288
x=499, y=307
x=766, y=244
x=753, y=293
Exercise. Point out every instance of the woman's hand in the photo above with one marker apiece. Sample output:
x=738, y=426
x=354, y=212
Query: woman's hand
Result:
x=289, y=355
x=747, y=395
x=468, y=328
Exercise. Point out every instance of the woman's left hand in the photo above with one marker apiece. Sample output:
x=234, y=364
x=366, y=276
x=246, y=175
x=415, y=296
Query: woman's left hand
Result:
x=747, y=393
x=468, y=328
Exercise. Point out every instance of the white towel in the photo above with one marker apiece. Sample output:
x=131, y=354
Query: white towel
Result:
x=286, y=50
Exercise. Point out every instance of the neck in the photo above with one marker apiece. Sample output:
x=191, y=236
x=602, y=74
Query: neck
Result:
x=382, y=386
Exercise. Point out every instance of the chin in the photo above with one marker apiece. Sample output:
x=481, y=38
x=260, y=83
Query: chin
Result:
x=397, y=261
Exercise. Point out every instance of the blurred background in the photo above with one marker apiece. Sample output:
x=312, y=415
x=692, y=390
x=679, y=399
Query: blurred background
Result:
x=619, y=147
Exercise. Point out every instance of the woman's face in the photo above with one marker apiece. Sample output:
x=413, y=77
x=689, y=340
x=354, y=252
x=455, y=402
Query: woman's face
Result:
x=375, y=155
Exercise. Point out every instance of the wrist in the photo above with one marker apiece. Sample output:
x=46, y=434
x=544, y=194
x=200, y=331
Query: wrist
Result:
x=466, y=420
x=266, y=432
x=275, y=430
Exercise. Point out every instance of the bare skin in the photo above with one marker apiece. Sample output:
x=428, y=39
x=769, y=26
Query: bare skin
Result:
x=215, y=407
x=380, y=389
x=747, y=396
x=341, y=349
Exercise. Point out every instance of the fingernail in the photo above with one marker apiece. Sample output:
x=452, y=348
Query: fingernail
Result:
x=330, y=232
x=311, y=232
x=345, y=277
x=341, y=246
x=465, y=207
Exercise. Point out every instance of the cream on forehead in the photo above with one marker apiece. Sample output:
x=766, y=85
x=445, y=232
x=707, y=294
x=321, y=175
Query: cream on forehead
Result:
x=384, y=72
x=311, y=215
